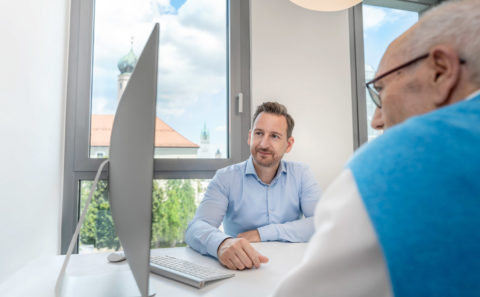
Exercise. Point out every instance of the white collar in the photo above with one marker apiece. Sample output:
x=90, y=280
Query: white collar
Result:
x=473, y=95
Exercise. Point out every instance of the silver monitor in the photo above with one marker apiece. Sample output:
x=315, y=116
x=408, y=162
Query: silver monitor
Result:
x=131, y=162
x=130, y=185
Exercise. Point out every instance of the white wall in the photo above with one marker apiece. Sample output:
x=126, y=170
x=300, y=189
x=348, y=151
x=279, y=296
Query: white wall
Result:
x=32, y=98
x=301, y=58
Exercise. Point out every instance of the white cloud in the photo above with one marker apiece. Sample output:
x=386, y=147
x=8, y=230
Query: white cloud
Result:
x=373, y=17
x=204, y=15
x=166, y=112
x=102, y=106
x=222, y=128
x=192, y=58
x=395, y=15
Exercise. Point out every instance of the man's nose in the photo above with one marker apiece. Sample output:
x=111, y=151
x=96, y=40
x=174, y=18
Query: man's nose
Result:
x=264, y=142
x=377, y=121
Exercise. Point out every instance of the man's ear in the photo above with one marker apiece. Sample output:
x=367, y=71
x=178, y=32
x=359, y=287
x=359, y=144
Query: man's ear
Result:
x=445, y=63
x=290, y=142
x=249, y=134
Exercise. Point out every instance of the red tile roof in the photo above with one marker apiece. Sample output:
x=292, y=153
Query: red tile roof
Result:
x=165, y=136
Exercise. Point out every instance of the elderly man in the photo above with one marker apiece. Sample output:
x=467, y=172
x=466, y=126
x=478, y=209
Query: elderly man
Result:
x=260, y=199
x=403, y=218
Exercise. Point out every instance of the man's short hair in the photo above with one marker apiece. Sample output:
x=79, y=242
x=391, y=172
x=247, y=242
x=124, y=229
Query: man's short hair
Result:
x=278, y=109
x=452, y=22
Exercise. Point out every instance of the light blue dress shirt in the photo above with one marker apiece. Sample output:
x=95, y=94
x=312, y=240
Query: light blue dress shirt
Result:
x=238, y=197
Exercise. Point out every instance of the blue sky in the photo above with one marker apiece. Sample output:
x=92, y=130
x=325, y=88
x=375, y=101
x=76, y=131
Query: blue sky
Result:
x=381, y=26
x=177, y=3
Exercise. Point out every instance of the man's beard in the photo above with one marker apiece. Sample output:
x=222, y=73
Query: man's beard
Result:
x=265, y=162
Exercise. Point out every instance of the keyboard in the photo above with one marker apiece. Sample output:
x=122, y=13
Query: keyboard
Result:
x=186, y=272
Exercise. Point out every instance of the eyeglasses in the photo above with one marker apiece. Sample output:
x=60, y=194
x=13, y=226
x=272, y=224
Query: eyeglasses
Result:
x=375, y=96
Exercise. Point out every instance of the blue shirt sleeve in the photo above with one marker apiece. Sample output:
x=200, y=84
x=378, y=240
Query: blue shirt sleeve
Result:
x=202, y=233
x=302, y=229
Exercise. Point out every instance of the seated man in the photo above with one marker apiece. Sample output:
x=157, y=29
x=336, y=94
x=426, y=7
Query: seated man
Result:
x=260, y=199
x=403, y=218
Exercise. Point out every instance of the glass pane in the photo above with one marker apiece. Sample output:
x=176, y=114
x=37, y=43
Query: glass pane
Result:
x=173, y=206
x=192, y=109
x=380, y=27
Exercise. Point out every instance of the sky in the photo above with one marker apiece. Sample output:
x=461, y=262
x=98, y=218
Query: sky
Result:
x=380, y=27
x=192, y=84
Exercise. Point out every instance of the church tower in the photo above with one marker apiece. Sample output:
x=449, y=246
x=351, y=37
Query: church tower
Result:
x=126, y=65
x=204, y=151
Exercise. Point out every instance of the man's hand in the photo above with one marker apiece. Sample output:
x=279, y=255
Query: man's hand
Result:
x=252, y=236
x=237, y=253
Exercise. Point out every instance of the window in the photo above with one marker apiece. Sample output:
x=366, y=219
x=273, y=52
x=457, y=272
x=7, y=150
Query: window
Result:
x=381, y=25
x=192, y=88
x=203, y=66
x=374, y=25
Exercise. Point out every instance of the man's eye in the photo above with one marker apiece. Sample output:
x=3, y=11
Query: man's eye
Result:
x=378, y=89
x=275, y=136
x=258, y=133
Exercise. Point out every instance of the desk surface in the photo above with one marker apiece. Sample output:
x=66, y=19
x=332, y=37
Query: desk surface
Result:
x=38, y=278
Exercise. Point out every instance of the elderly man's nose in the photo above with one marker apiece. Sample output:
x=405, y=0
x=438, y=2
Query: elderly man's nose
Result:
x=377, y=121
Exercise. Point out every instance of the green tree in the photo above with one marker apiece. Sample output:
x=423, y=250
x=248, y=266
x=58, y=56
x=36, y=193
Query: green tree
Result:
x=98, y=227
x=173, y=206
x=106, y=235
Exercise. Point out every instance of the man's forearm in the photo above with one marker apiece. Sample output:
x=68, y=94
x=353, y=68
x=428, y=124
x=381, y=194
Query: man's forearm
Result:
x=204, y=238
x=295, y=231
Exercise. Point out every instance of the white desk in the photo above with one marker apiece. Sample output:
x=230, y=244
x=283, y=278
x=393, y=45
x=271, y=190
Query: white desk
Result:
x=38, y=278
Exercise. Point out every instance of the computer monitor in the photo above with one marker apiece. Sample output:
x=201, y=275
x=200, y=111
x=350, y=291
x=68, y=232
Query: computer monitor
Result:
x=130, y=185
x=131, y=162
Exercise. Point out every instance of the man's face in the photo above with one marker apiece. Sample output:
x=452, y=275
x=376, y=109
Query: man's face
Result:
x=404, y=93
x=268, y=139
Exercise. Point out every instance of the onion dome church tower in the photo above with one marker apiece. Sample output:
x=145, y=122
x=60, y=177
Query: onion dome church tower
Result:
x=126, y=65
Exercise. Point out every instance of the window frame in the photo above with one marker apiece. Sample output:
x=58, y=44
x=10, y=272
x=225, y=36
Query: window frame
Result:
x=79, y=166
x=357, y=58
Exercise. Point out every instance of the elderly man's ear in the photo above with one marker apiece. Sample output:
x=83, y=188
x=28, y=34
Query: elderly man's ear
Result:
x=445, y=67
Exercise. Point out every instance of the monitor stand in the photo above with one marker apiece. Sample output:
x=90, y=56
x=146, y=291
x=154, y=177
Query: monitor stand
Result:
x=105, y=284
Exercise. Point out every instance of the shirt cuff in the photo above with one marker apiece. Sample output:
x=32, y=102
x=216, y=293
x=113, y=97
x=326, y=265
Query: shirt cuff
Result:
x=268, y=232
x=214, y=242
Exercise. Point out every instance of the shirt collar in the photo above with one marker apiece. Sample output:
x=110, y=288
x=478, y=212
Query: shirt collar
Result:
x=473, y=95
x=250, y=169
x=282, y=168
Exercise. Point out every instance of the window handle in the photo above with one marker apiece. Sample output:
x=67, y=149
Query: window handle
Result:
x=240, y=102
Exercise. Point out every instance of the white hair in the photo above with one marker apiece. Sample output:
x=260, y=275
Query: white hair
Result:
x=456, y=23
